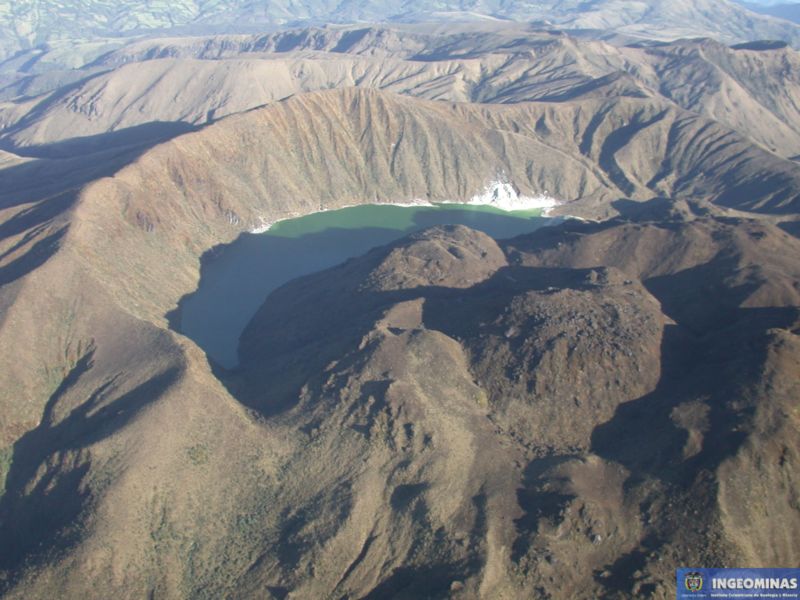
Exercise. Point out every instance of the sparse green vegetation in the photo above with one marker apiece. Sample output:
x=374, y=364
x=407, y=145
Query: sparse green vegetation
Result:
x=198, y=454
x=481, y=398
x=6, y=457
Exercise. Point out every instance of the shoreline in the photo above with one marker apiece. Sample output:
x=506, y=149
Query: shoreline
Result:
x=497, y=195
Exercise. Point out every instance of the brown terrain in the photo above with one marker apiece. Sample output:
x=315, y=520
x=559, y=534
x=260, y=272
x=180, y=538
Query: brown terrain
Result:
x=568, y=414
x=572, y=398
x=750, y=89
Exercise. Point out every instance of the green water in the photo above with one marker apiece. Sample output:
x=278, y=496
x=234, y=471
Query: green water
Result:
x=237, y=278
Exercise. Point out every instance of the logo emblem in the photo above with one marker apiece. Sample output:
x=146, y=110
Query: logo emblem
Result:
x=694, y=581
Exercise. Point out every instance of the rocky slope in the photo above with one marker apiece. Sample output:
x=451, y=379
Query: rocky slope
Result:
x=626, y=419
x=449, y=356
x=446, y=416
x=562, y=350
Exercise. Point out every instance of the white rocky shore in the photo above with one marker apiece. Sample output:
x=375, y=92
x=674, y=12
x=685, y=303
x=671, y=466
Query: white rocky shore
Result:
x=504, y=196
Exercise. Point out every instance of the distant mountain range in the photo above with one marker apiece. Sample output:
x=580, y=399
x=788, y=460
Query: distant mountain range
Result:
x=28, y=25
x=190, y=82
x=788, y=11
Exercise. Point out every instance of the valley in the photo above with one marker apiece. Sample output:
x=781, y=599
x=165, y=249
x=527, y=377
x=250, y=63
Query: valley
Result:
x=368, y=400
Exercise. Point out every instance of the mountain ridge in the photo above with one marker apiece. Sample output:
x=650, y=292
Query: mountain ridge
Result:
x=196, y=82
x=25, y=26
